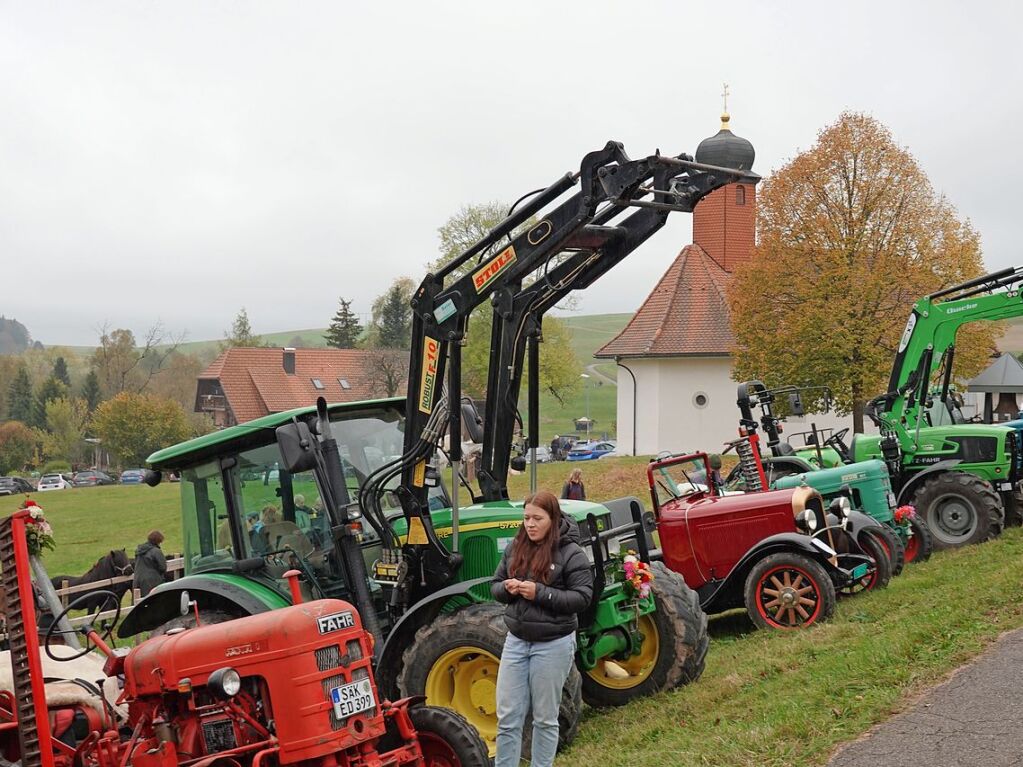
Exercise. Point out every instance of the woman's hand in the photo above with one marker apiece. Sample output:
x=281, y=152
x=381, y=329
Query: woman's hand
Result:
x=527, y=590
x=511, y=585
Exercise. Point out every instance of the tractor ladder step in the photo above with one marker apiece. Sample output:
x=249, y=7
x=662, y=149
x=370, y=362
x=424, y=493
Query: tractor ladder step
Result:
x=31, y=755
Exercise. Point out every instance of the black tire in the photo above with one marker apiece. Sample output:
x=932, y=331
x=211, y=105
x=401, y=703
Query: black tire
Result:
x=1013, y=513
x=758, y=602
x=446, y=738
x=875, y=544
x=206, y=617
x=462, y=640
x=677, y=657
x=920, y=544
x=895, y=548
x=959, y=509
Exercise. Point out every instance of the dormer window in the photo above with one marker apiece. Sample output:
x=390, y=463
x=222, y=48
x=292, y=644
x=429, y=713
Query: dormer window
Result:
x=318, y=384
x=740, y=195
x=344, y=383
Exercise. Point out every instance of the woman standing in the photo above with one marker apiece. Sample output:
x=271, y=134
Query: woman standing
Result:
x=544, y=579
x=574, y=489
x=150, y=564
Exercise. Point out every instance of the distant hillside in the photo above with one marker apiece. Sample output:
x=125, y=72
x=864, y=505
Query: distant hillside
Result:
x=14, y=337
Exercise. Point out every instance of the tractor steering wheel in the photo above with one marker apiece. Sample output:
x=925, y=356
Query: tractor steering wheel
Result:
x=106, y=627
x=837, y=441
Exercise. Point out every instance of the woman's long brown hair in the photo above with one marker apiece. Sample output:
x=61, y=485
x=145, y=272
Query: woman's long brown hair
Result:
x=534, y=559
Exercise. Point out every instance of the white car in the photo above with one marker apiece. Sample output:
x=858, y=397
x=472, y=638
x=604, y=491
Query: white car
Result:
x=53, y=482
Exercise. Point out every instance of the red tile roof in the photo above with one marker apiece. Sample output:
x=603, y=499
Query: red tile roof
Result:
x=255, y=384
x=686, y=314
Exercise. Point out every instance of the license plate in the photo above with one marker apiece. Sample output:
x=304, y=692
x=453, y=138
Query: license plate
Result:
x=1005, y=487
x=860, y=571
x=352, y=698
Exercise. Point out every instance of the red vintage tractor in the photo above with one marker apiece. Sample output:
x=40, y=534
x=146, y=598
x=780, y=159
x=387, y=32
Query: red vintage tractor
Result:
x=782, y=554
x=289, y=687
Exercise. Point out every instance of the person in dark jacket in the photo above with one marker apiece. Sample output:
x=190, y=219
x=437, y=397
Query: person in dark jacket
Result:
x=574, y=489
x=544, y=580
x=150, y=564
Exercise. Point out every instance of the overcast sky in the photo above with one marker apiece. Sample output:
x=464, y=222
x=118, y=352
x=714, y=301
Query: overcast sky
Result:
x=177, y=161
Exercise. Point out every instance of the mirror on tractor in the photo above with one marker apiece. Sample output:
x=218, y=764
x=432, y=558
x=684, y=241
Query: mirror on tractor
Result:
x=472, y=423
x=185, y=605
x=151, y=477
x=296, y=445
x=796, y=404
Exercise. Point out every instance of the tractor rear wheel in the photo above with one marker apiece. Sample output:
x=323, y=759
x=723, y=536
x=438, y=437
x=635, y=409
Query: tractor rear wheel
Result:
x=673, y=653
x=789, y=591
x=453, y=661
x=920, y=544
x=447, y=739
x=895, y=549
x=959, y=509
x=876, y=545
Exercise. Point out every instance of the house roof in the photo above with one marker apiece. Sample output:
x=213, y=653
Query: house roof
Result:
x=686, y=314
x=1005, y=374
x=255, y=383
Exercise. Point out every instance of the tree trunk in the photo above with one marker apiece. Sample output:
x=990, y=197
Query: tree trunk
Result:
x=858, y=416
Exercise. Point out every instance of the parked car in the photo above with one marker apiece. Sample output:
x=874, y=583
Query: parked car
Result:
x=588, y=451
x=54, y=482
x=133, y=476
x=15, y=486
x=543, y=455
x=92, y=479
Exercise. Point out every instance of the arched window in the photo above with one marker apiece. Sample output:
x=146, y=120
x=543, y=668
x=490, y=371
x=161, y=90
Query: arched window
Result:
x=740, y=195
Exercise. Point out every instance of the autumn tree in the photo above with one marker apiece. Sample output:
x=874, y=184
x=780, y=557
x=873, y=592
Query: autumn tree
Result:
x=850, y=234
x=122, y=365
x=391, y=322
x=132, y=426
x=66, y=419
x=19, y=397
x=17, y=444
x=344, y=329
x=559, y=367
x=241, y=333
x=177, y=379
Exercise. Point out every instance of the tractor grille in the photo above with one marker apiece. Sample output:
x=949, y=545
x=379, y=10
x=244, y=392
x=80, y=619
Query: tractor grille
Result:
x=480, y=559
x=218, y=735
x=328, y=657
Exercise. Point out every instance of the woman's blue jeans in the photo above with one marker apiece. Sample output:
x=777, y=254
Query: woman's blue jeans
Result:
x=531, y=676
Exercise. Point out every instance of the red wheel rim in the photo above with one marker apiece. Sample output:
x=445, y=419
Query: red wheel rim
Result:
x=788, y=597
x=912, y=548
x=437, y=752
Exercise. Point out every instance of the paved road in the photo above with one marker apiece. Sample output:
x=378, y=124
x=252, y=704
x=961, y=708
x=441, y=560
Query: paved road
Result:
x=973, y=720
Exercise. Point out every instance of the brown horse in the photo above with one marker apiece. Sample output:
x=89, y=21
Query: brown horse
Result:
x=113, y=564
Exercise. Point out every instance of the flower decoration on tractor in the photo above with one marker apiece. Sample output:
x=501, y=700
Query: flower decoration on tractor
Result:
x=634, y=575
x=904, y=513
x=39, y=534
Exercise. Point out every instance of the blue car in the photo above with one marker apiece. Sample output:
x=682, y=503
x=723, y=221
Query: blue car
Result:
x=132, y=476
x=588, y=451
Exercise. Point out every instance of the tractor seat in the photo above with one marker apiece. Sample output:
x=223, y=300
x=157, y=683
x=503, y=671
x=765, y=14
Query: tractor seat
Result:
x=278, y=530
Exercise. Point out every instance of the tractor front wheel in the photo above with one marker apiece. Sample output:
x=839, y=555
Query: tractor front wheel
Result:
x=920, y=545
x=894, y=548
x=876, y=545
x=789, y=591
x=673, y=651
x=959, y=509
x=453, y=661
x=447, y=739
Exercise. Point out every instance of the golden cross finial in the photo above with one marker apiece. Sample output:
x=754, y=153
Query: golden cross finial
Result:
x=724, y=95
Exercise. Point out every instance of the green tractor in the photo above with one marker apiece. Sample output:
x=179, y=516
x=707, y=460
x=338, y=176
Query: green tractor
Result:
x=867, y=484
x=351, y=495
x=960, y=477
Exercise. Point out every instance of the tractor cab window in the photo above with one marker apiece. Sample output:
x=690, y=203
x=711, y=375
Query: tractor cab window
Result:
x=680, y=480
x=205, y=523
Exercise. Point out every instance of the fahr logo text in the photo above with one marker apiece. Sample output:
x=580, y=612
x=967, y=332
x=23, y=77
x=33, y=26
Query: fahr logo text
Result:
x=335, y=622
x=490, y=270
x=431, y=350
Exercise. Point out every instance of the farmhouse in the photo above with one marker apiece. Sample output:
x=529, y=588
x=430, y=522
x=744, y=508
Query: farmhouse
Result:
x=675, y=387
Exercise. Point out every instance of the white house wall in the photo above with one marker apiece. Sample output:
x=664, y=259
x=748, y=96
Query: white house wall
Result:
x=667, y=412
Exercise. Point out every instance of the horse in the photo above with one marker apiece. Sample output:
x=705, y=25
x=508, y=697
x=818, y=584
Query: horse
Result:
x=113, y=564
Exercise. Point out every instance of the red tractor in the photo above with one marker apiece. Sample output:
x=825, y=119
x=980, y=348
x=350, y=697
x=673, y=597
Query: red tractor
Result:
x=289, y=687
x=780, y=553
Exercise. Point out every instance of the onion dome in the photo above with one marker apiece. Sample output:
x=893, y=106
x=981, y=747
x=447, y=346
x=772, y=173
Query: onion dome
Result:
x=725, y=149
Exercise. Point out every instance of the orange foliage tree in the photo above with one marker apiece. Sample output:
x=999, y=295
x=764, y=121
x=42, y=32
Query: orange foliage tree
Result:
x=850, y=234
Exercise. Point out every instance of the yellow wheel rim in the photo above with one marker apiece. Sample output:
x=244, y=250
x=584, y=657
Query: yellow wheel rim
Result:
x=633, y=671
x=465, y=680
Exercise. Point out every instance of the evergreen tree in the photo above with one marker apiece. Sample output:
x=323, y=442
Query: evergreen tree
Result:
x=52, y=389
x=394, y=320
x=19, y=397
x=90, y=390
x=241, y=333
x=344, y=329
x=60, y=371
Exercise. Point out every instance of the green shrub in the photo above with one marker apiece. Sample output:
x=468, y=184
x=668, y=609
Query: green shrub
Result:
x=55, y=467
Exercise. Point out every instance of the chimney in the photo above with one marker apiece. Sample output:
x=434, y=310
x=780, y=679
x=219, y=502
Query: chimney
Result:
x=289, y=360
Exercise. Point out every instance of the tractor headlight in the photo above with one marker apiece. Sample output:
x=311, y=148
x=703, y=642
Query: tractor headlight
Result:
x=225, y=682
x=808, y=519
x=841, y=507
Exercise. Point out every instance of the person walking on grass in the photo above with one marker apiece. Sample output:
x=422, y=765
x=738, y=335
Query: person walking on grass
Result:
x=150, y=564
x=574, y=489
x=544, y=580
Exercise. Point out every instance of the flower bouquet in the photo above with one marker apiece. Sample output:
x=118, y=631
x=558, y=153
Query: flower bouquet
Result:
x=635, y=576
x=38, y=534
x=904, y=513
